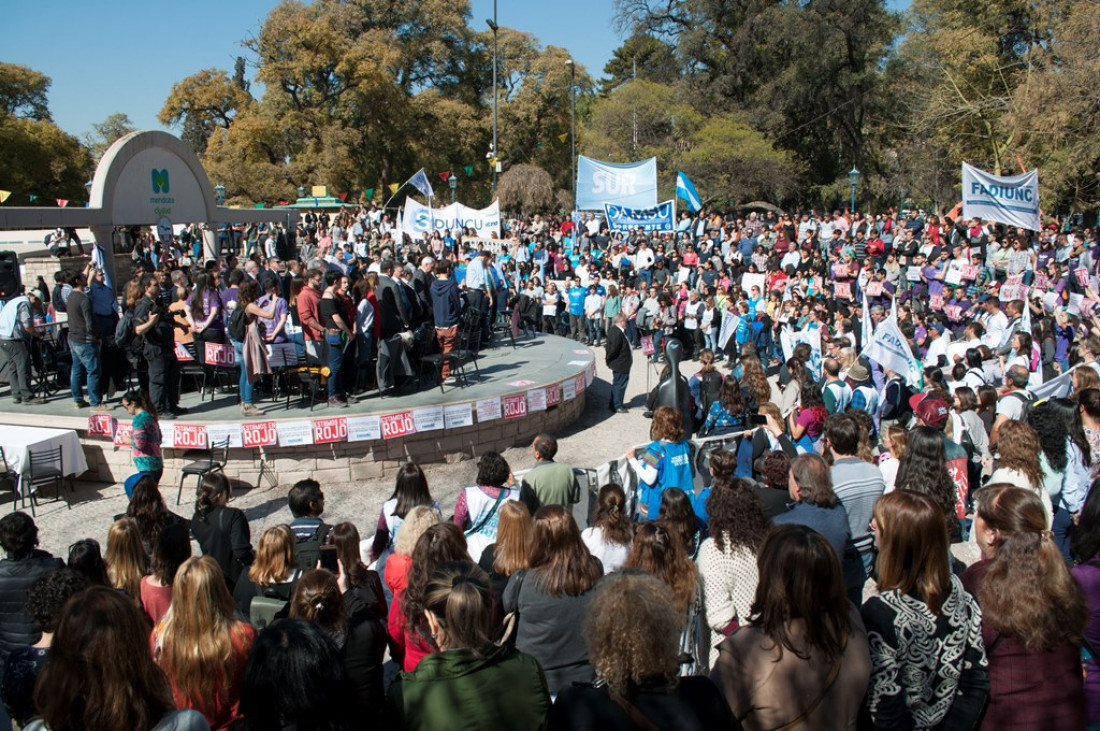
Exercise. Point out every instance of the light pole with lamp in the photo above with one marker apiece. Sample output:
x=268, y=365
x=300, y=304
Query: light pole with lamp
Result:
x=453, y=182
x=853, y=181
x=493, y=152
x=573, y=121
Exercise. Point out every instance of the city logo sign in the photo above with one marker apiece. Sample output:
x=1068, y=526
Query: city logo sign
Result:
x=160, y=180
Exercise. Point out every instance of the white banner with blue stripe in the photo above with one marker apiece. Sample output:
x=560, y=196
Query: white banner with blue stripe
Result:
x=658, y=218
x=1012, y=200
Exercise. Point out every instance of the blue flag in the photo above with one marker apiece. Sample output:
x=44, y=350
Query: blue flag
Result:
x=420, y=182
x=685, y=190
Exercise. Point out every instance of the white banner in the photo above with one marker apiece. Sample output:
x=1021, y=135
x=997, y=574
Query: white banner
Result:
x=633, y=185
x=730, y=323
x=890, y=349
x=1013, y=200
x=788, y=339
x=419, y=220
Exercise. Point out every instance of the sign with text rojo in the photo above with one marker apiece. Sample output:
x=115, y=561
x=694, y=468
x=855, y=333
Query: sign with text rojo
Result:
x=660, y=218
x=632, y=185
x=1013, y=200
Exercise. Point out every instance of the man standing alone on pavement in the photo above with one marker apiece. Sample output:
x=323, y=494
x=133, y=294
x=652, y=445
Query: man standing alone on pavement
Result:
x=619, y=359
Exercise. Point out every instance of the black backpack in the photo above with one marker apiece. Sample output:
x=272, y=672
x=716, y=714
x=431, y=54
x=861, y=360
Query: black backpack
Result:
x=238, y=327
x=1025, y=404
x=124, y=330
x=307, y=552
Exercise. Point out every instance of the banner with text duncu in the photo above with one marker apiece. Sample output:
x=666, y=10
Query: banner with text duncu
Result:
x=631, y=185
x=1013, y=200
x=419, y=220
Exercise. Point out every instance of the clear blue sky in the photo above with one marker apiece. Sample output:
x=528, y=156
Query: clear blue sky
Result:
x=108, y=56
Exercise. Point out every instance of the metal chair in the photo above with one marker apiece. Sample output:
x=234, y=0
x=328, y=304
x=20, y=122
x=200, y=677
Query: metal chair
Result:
x=45, y=467
x=10, y=481
x=204, y=462
x=469, y=342
x=434, y=359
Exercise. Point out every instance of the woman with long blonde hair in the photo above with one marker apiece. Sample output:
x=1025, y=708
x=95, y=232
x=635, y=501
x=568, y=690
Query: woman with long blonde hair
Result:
x=272, y=573
x=126, y=560
x=201, y=646
x=512, y=550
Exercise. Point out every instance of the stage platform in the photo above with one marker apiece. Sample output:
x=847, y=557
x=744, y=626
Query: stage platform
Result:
x=538, y=385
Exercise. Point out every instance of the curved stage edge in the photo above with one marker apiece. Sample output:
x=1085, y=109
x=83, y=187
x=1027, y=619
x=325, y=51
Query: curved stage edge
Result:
x=539, y=385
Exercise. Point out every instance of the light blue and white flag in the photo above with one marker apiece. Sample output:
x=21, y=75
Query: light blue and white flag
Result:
x=633, y=184
x=420, y=182
x=890, y=349
x=686, y=190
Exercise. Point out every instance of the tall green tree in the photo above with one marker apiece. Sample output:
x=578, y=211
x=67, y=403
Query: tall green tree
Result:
x=105, y=133
x=641, y=56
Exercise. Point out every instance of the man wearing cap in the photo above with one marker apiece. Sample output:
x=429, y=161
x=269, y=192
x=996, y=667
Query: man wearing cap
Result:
x=864, y=395
x=934, y=412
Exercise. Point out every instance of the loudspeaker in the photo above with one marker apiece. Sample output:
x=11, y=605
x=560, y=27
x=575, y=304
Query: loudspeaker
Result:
x=10, y=281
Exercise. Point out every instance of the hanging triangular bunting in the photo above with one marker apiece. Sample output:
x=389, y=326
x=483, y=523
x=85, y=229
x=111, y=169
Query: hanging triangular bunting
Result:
x=393, y=188
x=259, y=205
x=33, y=198
x=284, y=202
x=563, y=136
x=343, y=197
x=4, y=195
x=62, y=202
x=445, y=175
x=469, y=170
x=369, y=193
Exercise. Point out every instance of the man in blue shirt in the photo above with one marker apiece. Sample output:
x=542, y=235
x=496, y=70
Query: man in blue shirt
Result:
x=576, y=295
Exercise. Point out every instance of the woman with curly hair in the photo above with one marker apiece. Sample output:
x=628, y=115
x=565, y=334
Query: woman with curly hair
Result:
x=1033, y=615
x=1018, y=463
x=1088, y=402
x=804, y=657
x=1066, y=460
x=755, y=382
x=807, y=422
x=361, y=640
x=611, y=532
x=410, y=636
x=925, y=631
x=418, y=520
x=637, y=679
x=727, y=559
x=923, y=469
x=665, y=463
x=148, y=510
x=552, y=598
x=477, y=506
x=656, y=550
x=728, y=412
x=201, y=645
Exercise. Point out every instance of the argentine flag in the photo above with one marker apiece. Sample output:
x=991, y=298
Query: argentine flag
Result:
x=685, y=190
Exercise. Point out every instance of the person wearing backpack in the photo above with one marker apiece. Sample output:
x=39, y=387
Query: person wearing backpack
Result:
x=261, y=593
x=705, y=385
x=307, y=504
x=1014, y=404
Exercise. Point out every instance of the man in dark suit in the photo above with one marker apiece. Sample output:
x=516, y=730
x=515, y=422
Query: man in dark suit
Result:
x=392, y=312
x=619, y=358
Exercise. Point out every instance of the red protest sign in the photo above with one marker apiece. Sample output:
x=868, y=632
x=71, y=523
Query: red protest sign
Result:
x=1082, y=275
x=935, y=301
x=189, y=436
x=259, y=434
x=514, y=406
x=220, y=355
x=969, y=271
x=123, y=434
x=954, y=312
x=327, y=431
x=843, y=290
x=874, y=289
x=101, y=425
x=553, y=395
x=398, y=425
x=183, y=354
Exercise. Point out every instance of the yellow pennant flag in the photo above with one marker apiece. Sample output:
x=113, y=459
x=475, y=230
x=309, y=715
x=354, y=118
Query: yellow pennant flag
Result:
x=4, y=195
x=563, y=136
x=393, y=188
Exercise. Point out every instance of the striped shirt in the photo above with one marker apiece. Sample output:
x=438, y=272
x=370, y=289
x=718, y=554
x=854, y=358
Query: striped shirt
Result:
x=858, y=485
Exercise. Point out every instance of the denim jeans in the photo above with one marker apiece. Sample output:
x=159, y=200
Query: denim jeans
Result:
x=595, y=329
x=85, y=362
x=245, y=384
x=335, y=365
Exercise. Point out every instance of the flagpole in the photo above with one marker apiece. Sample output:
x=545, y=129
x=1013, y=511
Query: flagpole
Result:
x=387, y=203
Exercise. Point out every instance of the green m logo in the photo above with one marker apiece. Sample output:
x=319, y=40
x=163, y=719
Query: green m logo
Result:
x=160, y=180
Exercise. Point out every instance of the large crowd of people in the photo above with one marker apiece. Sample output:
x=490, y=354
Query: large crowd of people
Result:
x=798, y=567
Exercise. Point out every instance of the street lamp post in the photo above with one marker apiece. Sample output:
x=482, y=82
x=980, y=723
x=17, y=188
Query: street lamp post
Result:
x=219, y=194
x=301, y=191
x=453, y=182
x=493, y=156
x=853, y=181
x=573, y=121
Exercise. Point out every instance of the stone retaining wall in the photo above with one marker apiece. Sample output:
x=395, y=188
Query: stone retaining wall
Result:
x=348, y=462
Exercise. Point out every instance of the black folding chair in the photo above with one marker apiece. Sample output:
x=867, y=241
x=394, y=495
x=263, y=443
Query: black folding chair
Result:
x=10, y=481
x=205, y=461
x=45, y=467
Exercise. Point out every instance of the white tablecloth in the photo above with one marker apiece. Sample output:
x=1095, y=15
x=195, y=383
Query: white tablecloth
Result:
x=18, y=441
